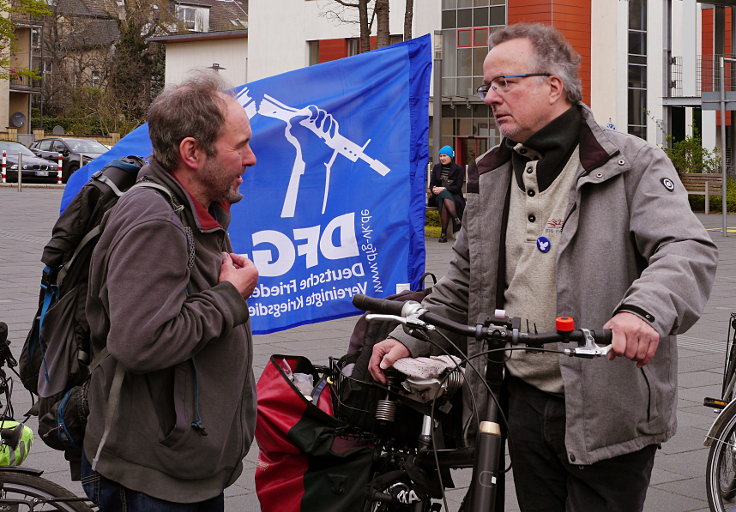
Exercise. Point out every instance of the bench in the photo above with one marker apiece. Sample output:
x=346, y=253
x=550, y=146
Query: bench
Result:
x=702, y=184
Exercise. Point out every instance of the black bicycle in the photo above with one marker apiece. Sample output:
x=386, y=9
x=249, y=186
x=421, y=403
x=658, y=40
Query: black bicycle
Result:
x=411, y=471
x=720, y=475
x=24, y=489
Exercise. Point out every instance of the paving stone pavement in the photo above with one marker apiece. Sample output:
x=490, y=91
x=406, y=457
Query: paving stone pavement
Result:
x=678, y=482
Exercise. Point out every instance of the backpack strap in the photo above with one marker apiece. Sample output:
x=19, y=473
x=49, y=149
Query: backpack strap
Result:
x=179, y=210
x=112, y=406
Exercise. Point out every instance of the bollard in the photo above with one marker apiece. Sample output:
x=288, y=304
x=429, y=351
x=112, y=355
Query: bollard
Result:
x=4, y=166
x=58, y=172
x=20, y=173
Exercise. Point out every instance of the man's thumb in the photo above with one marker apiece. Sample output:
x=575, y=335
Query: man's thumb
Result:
x=388, y=359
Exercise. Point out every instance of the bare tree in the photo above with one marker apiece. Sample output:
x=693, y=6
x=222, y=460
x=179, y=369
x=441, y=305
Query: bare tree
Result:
x=383, y=31
x=408, y=19
x=103, y=70
x=75, y=52
x=366, y=17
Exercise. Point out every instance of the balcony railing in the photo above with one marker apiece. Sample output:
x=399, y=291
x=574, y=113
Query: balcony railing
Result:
x=24, y=83
x=707, y=75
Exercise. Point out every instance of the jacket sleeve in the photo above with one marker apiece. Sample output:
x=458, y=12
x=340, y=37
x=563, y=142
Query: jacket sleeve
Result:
x=154, y=322
x=434, y=178
x=449, y=299
x=679, y=258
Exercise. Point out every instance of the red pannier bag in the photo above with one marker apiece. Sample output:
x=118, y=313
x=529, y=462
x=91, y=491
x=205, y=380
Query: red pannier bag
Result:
x=304, y=463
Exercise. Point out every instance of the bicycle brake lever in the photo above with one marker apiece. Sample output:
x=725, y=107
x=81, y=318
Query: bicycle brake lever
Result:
x=412, y=321
x=590, y=350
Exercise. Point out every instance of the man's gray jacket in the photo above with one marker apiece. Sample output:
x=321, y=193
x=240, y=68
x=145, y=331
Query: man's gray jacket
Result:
x=629, y=238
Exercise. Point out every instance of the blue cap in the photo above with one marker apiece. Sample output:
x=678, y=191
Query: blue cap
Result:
x=447, y=150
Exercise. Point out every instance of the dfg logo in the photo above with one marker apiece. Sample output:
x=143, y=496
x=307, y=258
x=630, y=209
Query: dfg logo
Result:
x=309, y=242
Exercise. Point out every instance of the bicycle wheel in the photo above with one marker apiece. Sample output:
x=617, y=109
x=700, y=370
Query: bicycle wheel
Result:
x=720, y=476
x=20, y=491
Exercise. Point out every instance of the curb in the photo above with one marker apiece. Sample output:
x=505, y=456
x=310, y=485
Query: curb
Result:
x=32, y=185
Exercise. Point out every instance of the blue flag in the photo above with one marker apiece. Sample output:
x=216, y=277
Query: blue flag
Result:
x=335, y=203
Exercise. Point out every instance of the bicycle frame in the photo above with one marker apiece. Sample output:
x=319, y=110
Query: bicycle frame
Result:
x=498, y=330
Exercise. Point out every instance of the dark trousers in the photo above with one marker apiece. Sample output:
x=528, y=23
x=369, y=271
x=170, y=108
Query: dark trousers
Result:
x=112, y=497
x=544, y=479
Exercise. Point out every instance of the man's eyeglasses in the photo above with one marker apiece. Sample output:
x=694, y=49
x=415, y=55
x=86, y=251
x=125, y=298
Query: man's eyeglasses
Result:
x=503, y=84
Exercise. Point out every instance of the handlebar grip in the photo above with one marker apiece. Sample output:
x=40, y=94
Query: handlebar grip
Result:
x=382, y=306
x=603, y=336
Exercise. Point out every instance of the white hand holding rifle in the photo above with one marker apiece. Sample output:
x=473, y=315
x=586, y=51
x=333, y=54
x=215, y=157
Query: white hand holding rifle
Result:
x=321, y=124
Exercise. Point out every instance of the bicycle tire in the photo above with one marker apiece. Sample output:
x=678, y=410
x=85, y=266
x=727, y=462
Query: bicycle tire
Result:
x=720, y=475
x=18, y=486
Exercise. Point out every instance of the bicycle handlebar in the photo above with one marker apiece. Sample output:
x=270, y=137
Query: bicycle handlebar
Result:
x=593, y=343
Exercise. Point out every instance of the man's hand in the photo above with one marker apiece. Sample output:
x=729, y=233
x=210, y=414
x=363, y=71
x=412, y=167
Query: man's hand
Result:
x=240, y=272
x=385, y=353
x=633, y=338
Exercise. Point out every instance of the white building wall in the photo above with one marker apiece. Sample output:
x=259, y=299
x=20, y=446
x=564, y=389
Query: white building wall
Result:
x=280, y=29
x=686, y=42
x=608, y=63
x=231, y=54
x=655, y=73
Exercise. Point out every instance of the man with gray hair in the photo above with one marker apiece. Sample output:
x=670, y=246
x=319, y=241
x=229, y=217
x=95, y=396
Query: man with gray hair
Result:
x=167, y=302
x=568, y=218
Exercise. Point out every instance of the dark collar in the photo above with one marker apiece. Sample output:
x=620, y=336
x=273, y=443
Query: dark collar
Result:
x=595, y=150
x=553, y=145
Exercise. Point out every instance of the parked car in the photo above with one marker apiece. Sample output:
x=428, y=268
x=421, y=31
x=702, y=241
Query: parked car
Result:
x=35, y=169
x=74, y=151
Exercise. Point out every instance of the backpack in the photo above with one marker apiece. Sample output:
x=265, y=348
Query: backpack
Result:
x=56, y=360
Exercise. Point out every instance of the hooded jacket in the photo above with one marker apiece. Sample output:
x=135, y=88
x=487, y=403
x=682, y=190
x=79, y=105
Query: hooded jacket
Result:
x=629, y=242
x=187, y=408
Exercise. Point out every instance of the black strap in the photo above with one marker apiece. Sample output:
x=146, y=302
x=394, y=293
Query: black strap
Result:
x=501, y=272
x=495, y=365
x=179, y=210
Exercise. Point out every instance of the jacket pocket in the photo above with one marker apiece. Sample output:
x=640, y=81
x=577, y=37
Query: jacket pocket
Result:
x=652, y=408
x=181, y=397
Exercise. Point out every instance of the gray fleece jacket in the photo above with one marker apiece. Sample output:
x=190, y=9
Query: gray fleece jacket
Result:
x=629, y=240
x=184, y=341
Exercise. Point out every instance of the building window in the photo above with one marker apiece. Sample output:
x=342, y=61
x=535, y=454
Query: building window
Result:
x=95, y=78
x=637, y=72
x=467, y=123
x=36, y=38
x=471, y=37
x=313, y=48
x=195, y=18
x=467, y=25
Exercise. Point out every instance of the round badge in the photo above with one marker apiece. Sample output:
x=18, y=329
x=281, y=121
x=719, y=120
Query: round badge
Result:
x=668, y=184
x=543, y=244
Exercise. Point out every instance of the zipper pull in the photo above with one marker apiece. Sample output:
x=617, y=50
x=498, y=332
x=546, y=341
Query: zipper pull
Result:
x=199, y=428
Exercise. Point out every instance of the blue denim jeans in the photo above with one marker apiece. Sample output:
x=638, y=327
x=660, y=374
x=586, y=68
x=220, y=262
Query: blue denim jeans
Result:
x=112, y=497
